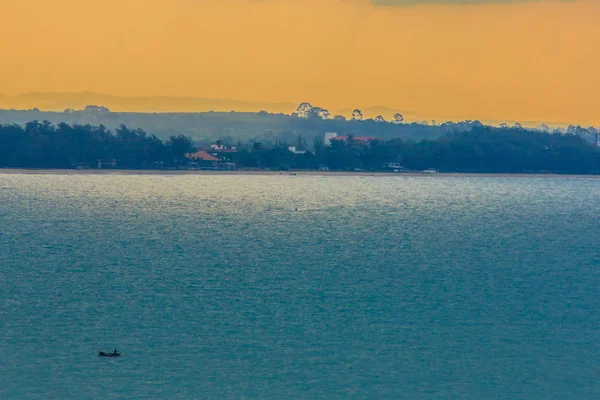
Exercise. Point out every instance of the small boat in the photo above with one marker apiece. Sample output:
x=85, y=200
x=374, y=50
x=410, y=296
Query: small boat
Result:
x=113, y=354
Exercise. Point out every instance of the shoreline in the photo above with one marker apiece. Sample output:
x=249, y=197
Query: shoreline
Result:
x=27, y=171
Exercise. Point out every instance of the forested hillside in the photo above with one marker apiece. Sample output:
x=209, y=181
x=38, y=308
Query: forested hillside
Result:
x=230, y=126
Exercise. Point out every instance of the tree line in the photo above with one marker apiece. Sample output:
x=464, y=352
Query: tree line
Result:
x=480, y=149
x=44, y=145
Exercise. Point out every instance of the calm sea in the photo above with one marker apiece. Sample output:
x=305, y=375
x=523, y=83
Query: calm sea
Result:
x=215, y=287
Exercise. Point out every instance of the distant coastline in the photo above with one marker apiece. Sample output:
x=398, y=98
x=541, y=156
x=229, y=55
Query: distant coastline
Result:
x=474, y=149
x=32, y=171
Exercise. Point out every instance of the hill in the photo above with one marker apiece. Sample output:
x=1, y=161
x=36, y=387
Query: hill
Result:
x=230, y=126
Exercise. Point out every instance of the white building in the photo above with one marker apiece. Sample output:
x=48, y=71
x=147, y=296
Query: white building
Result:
x=293, y=150
x=328, y=137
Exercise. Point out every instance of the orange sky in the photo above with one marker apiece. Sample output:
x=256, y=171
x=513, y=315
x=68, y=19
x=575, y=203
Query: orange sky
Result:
x=534, y=61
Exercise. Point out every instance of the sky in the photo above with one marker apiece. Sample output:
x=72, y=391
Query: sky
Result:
x=436, y=59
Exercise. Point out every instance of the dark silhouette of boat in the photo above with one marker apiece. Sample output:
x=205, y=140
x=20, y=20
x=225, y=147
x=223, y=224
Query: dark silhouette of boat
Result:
x=113, y=354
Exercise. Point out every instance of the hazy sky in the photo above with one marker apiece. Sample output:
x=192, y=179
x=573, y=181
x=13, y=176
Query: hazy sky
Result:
x=443, y=59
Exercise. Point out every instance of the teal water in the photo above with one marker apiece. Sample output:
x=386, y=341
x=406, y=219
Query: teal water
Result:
x=213, y=287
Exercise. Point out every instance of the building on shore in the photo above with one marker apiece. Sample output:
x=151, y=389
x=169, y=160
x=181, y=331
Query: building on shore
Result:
x=201, y=159
x=394, y=166
x=224, y=153
x=292, y=149
x=327, y=138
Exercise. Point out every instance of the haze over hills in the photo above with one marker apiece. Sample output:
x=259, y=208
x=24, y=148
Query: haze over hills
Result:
x=244, y=127
x=62, y=101
x=202, y=119
x=230, y=126
x=165, y=104
x=206, y=119
x=56, y=101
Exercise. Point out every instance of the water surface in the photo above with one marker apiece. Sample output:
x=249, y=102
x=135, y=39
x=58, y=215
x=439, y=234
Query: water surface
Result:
x=215, y=287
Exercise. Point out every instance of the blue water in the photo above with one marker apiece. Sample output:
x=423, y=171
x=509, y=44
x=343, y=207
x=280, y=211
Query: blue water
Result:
x=214, y=287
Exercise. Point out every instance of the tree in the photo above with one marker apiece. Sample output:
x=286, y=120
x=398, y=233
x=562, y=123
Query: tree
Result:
x=318, y=145
x=398, y=118
x=303, y=110
x=179, y=146
x=544, y=128
x=357, y=115
x=300, y=142
x=98, y=109
x=317, y=113
x=323, y=114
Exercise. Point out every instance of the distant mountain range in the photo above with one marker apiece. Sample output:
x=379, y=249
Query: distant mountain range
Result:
x=207, y=119
x=62, y=101
x=179, y=104
x=162, y=104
